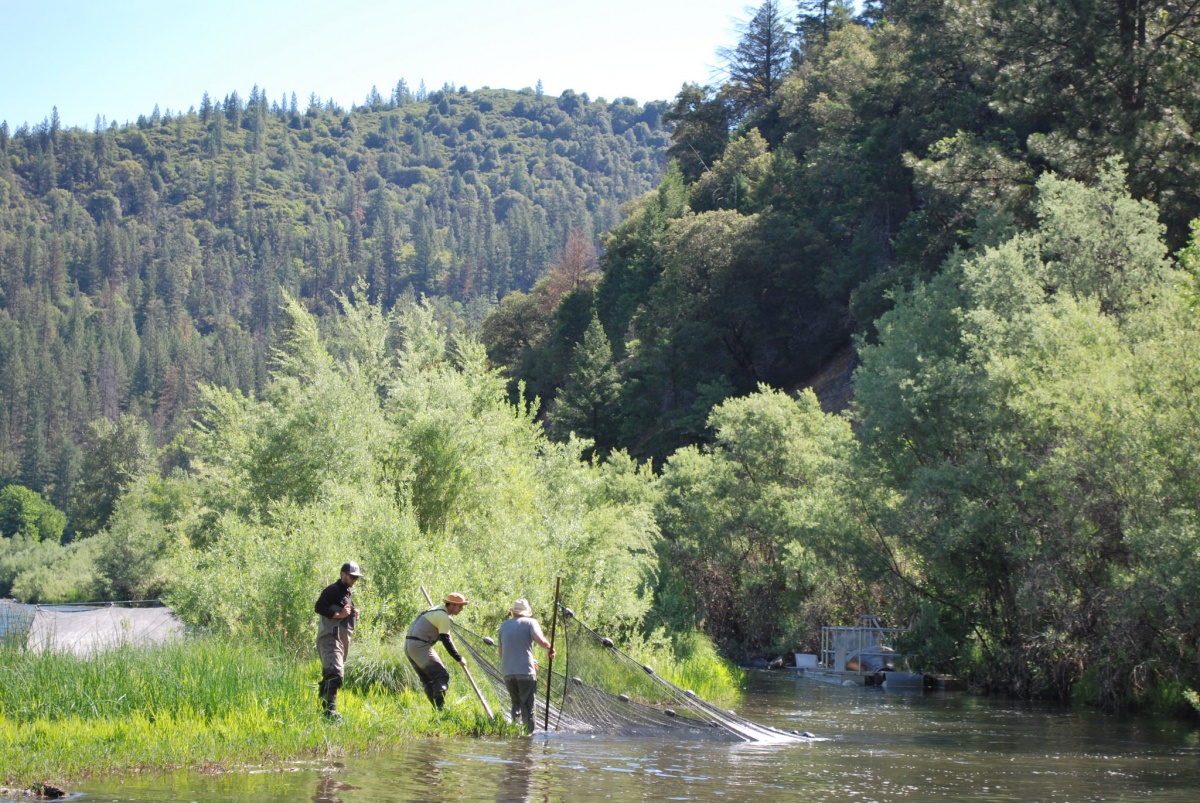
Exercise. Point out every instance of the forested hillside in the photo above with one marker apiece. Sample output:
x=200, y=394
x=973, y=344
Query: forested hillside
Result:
x=137, y=261
x=991, y=204
x=843, y=158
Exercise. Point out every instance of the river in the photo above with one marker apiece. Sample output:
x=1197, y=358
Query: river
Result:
x=876, y=746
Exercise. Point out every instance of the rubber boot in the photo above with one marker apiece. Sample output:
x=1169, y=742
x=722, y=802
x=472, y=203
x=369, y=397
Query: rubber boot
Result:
x=331, y=690
x=331, y=712
x=436, y=695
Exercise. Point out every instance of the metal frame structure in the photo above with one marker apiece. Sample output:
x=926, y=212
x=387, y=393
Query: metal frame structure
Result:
x=841, y=644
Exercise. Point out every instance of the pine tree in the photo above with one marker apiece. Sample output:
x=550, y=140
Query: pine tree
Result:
x=755, y=67
x=818, y=19
x=115, y=454
x=588, y=403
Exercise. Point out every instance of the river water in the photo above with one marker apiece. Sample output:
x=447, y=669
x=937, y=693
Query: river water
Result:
x=876, y=746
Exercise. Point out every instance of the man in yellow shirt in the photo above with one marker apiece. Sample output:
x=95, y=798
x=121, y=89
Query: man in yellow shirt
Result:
x=429, y=628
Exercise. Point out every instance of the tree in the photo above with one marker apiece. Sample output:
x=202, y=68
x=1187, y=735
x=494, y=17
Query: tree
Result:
x=755, y=67
x=23, y=512
x=1019, y=403
x=1129, y=66
x=763, y=514
x=701, y=128
x=510, y=330
x=114, y=455
x=588, y=403
x=632, y=260
x=410, y=457
x=576, y=268
x=817, y=20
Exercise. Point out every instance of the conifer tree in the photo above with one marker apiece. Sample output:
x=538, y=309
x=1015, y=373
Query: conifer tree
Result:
x=755, y=67
x=818, y=19
x=588, y=402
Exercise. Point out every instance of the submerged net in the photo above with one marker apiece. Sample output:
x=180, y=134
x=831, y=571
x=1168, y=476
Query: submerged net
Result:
x=597, y=689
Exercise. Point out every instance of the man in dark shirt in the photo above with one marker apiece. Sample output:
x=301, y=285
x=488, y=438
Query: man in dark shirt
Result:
x=338, y=616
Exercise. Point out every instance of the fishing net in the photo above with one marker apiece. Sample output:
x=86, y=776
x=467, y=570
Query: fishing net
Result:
x=595, y=688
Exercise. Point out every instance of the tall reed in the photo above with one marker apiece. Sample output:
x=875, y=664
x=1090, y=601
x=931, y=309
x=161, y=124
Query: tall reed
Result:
x=196, y=703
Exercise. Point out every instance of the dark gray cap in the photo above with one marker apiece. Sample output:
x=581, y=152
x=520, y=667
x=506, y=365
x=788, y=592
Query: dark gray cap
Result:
x=351, y=568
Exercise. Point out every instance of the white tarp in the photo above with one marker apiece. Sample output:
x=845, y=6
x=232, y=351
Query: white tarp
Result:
x=83, y=629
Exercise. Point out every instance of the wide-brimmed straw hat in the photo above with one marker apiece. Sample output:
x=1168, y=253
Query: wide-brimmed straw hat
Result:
x=455, y=598
x=521, y=607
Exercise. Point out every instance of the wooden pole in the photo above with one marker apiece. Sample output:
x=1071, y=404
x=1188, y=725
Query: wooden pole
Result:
x=487, y=708
x=550, y=660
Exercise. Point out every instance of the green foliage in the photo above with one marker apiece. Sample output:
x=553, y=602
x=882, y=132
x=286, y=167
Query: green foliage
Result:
x=23, y=512
x=727, y=185
x=758, y=528
x=133, y=554
x=1030, y=405
x=1021, y=478
x=138, y=262
x=867, y=156
x=1149, y=53
x=196, y=703
x=114, y=456
x=44, y=571
x=700, y=121
x=693, y=663
x=937, y=640
x=408, y=458
x=590, y=393
x=755, y=67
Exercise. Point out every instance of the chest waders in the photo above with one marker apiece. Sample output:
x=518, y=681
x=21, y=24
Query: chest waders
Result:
x=333, y=644
x=418, y=648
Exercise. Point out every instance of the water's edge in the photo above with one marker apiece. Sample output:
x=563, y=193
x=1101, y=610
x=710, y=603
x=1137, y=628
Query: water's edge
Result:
x=877, y=746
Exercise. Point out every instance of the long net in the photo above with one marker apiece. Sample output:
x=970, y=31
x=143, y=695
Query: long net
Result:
x=595, y=688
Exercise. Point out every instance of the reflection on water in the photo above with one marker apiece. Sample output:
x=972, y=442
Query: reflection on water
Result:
x=329, y=787
x=880, y=747
x=516, y=778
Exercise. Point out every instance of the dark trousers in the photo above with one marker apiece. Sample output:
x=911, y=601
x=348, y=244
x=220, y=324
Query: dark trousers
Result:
x=333, y=645
x=521, y=692
x=430, y=670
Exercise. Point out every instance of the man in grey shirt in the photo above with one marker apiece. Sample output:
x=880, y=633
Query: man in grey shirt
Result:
x=517, y=637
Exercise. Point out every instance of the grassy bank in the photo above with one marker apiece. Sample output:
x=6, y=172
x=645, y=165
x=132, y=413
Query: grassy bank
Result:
x=214, y=703
x=694, y=663
x=200, y=703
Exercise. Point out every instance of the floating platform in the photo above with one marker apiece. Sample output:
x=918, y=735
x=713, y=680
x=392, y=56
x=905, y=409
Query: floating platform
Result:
x=863, y=655
x=886, y=679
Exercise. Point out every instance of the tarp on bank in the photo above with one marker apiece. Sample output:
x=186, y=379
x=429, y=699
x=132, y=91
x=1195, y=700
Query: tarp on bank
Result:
x=90, y=627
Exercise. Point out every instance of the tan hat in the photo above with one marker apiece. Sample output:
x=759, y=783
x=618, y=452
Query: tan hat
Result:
x=521, y=607
x=455, y=598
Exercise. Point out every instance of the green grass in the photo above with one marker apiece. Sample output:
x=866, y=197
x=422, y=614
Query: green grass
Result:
x=698, y=666
x=689, y=660
x=211, y=703
x=202, y=703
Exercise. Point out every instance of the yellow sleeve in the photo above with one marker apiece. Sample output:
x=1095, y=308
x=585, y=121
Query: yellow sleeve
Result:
x=440, y=619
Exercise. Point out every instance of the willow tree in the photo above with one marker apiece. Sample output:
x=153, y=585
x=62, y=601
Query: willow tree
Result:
x=1032, y=405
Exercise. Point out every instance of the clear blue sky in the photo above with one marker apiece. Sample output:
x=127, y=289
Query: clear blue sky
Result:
x=118, y=58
